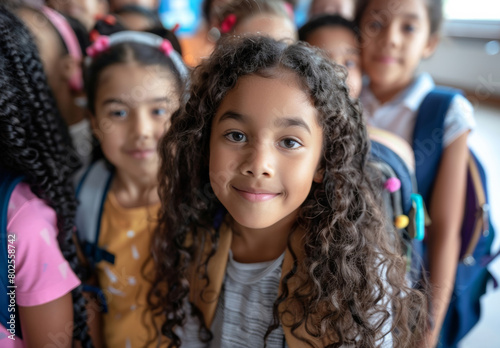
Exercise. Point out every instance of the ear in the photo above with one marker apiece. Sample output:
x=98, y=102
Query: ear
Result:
x=94, y=125
x=72, y=73
x=431, y=46
x=318, y=176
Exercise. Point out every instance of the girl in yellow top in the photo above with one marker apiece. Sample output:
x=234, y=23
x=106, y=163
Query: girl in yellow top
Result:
x=134, y=84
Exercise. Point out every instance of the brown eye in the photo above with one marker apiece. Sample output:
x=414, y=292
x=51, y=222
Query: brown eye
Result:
x=236, y=137
x=290, y=143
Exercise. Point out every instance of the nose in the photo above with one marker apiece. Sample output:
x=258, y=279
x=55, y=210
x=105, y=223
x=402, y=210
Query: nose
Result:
x=258, y=161
x=391, y=36
x=143, y=127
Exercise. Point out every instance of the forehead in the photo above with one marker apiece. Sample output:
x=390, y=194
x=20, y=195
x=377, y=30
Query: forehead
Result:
x=134, y=81
x=334, y=38
x=272, y=25
x=389, y=9
x=263, y=99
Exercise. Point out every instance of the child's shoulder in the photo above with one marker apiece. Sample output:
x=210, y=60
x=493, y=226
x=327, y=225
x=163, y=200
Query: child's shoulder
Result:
x=21, y=197
x=25, y=208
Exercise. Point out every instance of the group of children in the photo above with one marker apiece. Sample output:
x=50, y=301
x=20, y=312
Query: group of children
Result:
x=227, y=206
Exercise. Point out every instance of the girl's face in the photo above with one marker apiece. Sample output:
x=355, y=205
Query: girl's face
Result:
x=341, y=45
x=265, y=148
x=395, y=37
x=133, y=106
x=276, y=27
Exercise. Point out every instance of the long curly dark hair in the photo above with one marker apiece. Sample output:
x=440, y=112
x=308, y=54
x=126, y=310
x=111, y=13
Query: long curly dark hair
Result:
x=35, y=142
x=354, y=284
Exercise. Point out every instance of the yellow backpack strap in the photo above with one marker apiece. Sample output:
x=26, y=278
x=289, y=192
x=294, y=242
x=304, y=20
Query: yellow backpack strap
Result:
x=204, y=296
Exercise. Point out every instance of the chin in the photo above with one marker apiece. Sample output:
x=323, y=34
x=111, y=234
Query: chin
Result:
x=251, y=221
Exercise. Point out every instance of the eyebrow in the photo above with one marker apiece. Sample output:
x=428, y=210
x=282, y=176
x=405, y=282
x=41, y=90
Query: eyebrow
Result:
x=149, y=101
x=352, y=50
x=408, y=15
x=231, y=115
x=280, y=123
x=292, y=122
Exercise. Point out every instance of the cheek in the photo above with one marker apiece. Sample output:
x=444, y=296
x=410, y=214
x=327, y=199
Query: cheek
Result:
x=218, y=176
x=354, y=82
x=299, y=175
x=161, y=128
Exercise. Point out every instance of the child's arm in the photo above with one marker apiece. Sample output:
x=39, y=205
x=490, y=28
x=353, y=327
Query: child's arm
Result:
x=92, y=306
x=446, y=212
x=49, y=324
x=94, y=319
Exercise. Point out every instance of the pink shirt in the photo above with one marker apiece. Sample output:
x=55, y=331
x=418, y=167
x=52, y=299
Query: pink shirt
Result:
x=42, y=274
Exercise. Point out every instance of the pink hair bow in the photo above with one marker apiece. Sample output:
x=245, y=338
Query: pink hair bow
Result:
x=228, y=23
x=101, y=44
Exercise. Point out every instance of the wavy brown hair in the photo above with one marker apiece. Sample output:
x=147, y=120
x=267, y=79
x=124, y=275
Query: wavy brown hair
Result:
x=354, y=288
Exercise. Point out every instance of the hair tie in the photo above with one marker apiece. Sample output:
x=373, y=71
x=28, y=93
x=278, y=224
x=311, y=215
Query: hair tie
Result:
x=100, y=45
x=228, y=23
x=166, y=47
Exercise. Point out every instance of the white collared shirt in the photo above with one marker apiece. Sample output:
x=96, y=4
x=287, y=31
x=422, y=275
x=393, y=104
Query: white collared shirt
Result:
x=400, y=114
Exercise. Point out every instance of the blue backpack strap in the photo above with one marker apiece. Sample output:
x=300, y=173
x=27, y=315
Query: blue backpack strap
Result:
x=9, y=316
x=428, y=137
x=383, y=153
x=91, y=193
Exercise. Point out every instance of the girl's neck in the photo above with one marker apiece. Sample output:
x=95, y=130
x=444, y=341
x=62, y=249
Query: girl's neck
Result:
x=132, y=192
x=385, y=94
x=260, y=245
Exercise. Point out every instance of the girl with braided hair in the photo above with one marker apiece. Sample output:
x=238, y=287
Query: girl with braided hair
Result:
x=40, y=217
x=270, y=232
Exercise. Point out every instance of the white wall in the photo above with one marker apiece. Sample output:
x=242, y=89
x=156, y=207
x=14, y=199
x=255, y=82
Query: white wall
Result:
x=464, y=63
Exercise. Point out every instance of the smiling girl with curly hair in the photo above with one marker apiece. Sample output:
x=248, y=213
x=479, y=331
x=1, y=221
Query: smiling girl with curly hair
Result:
x=270, y=232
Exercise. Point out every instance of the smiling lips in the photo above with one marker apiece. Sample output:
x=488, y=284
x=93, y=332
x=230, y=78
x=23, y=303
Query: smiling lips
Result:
x=255, y=196
x=141, y=154
x=386, y=59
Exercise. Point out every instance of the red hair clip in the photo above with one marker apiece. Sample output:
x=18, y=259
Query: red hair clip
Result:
x=108, y=19
x=175, y=28
x=93, y=35
x=228, y=23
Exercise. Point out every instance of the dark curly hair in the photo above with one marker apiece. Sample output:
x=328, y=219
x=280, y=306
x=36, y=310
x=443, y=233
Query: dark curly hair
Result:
x=327, y=20
x=35, y=142
x=350, y=264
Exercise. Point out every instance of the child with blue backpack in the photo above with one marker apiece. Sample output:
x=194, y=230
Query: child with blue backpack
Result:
x=392, y=155
x=134, y=83
x=437, y=121
x=41, y=302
